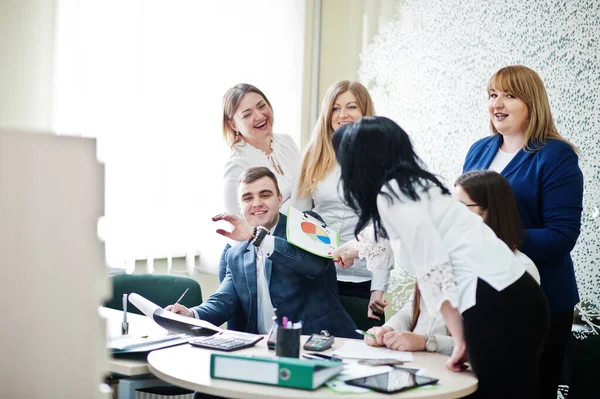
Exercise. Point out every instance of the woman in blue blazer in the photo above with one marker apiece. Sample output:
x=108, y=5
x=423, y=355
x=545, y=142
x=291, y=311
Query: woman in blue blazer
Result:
x=542, y=169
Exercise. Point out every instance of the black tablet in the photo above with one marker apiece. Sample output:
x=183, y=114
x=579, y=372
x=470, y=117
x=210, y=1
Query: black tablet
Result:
x=396, y=380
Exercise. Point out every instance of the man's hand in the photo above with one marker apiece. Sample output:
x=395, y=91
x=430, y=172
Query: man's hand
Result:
x=379, y=333
x=376, y=304
x=242, y=230
x=346, y=254
x=404, y=341
x=180, y=309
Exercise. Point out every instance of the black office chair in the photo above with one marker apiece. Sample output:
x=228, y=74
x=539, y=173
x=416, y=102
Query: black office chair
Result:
x=357, y=309
x=162, y=289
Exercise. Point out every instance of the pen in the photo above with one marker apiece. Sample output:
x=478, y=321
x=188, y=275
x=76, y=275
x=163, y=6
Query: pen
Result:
x=124, y=324
x=368, y=334
x=319, y=356
x=182, y=295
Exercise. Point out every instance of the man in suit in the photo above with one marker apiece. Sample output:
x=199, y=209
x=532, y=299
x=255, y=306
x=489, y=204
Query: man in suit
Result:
x=264, y=271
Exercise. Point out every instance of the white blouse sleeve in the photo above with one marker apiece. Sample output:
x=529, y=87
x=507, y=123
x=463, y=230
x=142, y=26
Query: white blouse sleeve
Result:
x=378, y=254
x=380, y=280
x=410, y=222
x=233, y=170
x=402, y=320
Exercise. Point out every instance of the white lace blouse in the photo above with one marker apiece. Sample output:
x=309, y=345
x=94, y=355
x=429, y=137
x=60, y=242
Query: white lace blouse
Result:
x=446, y=247
x=284, y=162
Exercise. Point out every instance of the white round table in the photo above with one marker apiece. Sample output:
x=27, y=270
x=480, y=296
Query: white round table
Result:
x=189, y=367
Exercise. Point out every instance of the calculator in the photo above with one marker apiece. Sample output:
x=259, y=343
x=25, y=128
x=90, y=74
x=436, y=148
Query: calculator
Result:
x=227, y=341
x=319, y=342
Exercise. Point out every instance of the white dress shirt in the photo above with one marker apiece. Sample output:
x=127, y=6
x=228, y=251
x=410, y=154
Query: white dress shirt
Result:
x=285, y=157
x=264, y=319
x=446, y=247
x=328, y=203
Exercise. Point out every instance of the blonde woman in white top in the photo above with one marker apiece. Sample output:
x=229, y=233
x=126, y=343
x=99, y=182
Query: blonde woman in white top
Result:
x=493, y=309
x=248, y=129
x=319, y=189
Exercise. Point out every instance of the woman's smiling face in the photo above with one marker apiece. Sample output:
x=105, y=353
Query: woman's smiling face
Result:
x=508, y=113
x=345, y=110
x=253, y=119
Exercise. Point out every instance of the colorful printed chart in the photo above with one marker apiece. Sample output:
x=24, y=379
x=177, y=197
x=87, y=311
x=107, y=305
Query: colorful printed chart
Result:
x=311, y=234
x=315, y=232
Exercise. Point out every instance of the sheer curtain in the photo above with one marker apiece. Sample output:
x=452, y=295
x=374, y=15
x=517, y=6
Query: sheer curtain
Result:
x=146, y=78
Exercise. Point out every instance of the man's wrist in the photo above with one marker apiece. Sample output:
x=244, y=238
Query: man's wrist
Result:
x=258, y=236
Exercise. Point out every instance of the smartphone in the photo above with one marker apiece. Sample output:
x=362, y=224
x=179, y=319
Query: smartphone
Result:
x=395, y=380
x=381, y=362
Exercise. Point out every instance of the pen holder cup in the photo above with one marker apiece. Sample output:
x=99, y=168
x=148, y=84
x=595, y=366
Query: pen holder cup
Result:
x=288, y=342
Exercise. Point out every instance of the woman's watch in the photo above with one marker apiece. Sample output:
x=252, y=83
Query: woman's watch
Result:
x=430, y=343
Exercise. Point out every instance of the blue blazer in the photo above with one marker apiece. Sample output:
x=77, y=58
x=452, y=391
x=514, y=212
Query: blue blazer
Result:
x=303, y=287
x=548, y=187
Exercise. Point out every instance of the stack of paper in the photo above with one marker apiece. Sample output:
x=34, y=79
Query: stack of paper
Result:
x=360, y=350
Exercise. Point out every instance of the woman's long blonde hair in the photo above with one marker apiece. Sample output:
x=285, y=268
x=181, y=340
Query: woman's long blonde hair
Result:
x=319, y=157
x=526, y=84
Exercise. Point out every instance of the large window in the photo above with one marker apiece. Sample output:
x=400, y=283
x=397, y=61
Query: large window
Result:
x=146, y=78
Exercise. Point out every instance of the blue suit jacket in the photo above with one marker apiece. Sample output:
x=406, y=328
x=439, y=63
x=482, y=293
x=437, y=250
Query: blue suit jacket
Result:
x=548, y=187
x=303, y=287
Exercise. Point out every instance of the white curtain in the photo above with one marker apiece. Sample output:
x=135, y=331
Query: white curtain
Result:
x=146, y=78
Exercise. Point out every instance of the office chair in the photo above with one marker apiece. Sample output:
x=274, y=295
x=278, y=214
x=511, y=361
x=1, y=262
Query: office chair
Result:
x=357, y=309
x=162, y=289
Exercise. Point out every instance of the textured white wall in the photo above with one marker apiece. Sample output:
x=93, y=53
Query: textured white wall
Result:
x=428, y=70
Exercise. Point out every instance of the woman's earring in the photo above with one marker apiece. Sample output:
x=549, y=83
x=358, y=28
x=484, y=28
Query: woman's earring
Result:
x=237, y=133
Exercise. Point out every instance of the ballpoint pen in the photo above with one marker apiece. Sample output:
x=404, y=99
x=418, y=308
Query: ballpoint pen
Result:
x=124, y=324
x=368, y=334
x=320, y=356
x=182, y=295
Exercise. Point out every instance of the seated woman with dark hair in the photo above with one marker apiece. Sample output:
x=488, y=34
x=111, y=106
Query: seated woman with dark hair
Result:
x=489, y=195
x=463, y=269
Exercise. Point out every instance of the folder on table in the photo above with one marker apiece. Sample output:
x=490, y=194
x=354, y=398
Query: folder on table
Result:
x=172, y=321
x=132, y=344
x=281, y=371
